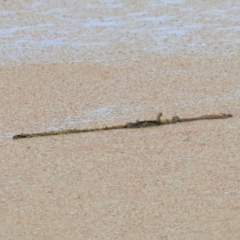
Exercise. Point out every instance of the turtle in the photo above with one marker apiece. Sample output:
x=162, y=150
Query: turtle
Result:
x=146, y=123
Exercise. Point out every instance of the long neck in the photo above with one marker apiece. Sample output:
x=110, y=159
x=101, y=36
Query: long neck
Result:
x=159, y=116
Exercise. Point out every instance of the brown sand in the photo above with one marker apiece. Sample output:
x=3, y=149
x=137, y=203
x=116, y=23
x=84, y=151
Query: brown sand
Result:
x=179, y=181
x=172, y=182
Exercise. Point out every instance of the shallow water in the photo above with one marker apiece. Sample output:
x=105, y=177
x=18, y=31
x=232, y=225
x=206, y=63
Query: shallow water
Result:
x=55, y=32
x=83, y=31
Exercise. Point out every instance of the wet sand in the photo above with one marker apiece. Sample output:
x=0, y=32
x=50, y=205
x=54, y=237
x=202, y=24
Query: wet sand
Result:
x=178, y=181
x=132, y=61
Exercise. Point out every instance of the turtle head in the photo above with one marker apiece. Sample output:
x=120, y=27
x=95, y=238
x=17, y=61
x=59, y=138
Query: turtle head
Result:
x=158, y=117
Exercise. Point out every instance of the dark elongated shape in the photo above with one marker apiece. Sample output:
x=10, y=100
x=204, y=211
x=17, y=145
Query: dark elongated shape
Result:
x=137, y=124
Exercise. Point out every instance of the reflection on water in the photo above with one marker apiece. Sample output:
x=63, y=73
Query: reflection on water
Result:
x=7, y=135
x=102, y=110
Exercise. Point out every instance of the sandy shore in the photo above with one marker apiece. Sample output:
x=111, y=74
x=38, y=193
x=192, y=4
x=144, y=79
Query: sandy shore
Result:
x=172, y=182
x=82, y=64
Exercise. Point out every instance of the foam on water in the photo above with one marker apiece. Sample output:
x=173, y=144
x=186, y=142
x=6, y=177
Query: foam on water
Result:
x=47, y=29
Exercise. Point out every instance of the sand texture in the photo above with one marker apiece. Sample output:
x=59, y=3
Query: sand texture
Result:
x=84, y=65
x=177, y=181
